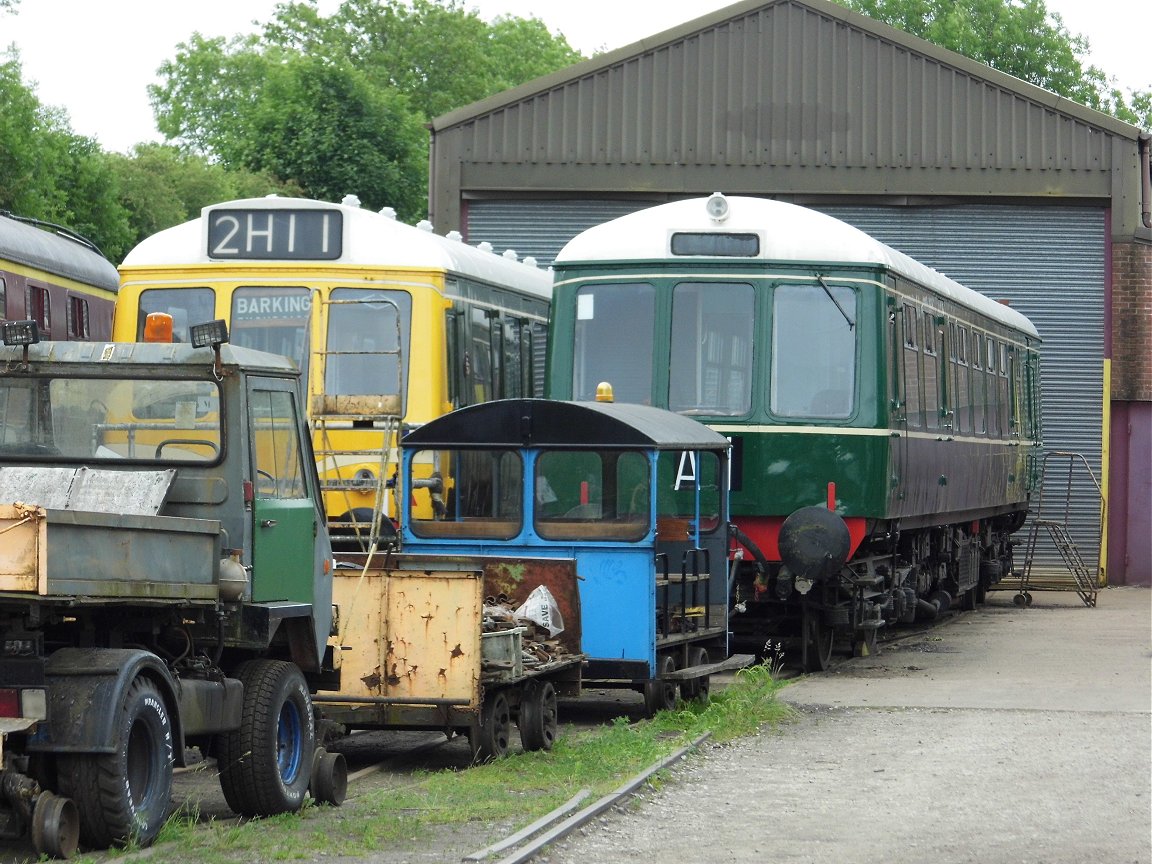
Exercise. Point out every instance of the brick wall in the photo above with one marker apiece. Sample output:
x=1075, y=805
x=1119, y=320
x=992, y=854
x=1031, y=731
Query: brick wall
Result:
x=1132, y=321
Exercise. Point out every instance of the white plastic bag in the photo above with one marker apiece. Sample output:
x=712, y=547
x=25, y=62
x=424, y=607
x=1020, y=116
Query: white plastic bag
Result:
x=540, y=608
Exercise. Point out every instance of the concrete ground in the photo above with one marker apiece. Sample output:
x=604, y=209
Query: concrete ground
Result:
x=1005, y=735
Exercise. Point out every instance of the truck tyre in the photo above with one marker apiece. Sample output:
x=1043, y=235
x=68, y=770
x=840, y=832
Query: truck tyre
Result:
x=124, y=796
x=266, y=764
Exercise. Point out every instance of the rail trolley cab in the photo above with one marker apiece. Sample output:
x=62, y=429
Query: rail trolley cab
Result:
x=637, y=496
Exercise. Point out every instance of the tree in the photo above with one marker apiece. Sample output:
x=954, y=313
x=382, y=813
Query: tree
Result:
x=1019, y=37
x=48, y=172
x=161, y=186
x=337, y=104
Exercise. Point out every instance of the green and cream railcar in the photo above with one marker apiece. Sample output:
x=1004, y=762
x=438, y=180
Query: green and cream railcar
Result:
x=850, y=379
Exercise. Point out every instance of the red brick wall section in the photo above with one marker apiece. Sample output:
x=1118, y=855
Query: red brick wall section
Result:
x=1132, y=321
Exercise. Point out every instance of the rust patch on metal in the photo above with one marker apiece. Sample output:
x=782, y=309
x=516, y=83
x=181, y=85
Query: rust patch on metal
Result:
x=457, y=651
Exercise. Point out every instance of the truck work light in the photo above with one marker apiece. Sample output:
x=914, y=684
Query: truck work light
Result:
x=20, y=332
x=209, y=333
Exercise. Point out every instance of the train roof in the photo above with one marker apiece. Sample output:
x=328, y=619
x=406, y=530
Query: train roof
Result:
x=517, y=423
x=787, y=232
x=55, y=253
x=370, y=239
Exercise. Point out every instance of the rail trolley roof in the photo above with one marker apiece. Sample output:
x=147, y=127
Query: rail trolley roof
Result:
x=517, y=423
x=370, y=239
x=55, y=253
x=788, y=233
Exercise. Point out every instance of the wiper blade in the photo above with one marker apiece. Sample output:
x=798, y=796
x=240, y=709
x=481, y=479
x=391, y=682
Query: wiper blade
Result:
x=835, y=302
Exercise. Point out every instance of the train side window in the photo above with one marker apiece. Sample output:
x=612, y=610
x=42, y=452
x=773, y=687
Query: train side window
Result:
x=483, y=498
x=978, y=384
x=3, y=299
x=992, y=389
x=912, y=366
x=592, y=495
x=78, y=322
x=962, y=391
x=39, y=309
x=931, y=370
x=513, y=385
x=1005, y=395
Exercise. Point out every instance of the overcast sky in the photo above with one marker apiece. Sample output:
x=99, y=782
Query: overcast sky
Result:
x=95, y=58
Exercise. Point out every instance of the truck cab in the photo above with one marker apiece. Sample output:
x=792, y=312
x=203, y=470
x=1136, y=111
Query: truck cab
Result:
x=163, y=558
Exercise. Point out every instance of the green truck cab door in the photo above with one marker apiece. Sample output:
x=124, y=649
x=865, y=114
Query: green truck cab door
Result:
x=286, y=520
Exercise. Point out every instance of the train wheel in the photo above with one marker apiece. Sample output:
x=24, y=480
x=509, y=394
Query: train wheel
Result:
x=490, y=739
x=123, y=796
x=537, y=722
x=55, y=826
x=818, y=638
x=660, y=695
x=266, y=764
x=697, y=688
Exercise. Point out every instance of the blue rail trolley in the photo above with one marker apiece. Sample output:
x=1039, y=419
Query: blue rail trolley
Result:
x=636, y=496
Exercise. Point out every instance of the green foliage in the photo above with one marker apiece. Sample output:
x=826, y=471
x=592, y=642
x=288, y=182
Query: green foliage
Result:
x=338, y=104
x=162, y=186
x=1019, y=37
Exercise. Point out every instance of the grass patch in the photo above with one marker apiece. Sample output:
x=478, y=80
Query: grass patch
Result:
x=512, y=791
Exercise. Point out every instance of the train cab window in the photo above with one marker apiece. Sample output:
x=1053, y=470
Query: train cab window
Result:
x=711, y=363
x=272, y=319
x=39, y=309
x=368, y=332
x=813, y=351
x=592, y=495
x=187, y=306
x=78, y=321
x=482, y=496
x=613, y=343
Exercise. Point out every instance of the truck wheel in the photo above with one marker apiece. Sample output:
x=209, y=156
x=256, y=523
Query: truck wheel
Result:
x=55, y=826
x=266, y=764
x=124, y=796
x=537, y=720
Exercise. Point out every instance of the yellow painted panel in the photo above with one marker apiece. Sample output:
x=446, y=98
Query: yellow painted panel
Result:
x=409, y=635
x=22, y=535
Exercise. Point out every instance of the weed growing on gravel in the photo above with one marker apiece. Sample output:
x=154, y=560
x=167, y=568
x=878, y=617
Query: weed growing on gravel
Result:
x=507, y=793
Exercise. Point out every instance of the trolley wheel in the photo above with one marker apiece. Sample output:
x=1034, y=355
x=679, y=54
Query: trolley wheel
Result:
x=1019, y=600
x=537, y=720
x=489, y=740
x=818, y=639
x=696, y=688
x=329, y=783
x=55, y=826
x=981, y=590
x=660, y=695
x=266, y=764
x=1027, y=599
x=124, y=795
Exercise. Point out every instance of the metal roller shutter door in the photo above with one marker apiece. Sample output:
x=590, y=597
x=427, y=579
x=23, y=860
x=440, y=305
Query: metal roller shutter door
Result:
x=1049, y=262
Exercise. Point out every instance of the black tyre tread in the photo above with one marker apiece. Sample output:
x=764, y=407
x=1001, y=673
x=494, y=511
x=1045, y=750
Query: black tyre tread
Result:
x=252, y=787
x=95, y=783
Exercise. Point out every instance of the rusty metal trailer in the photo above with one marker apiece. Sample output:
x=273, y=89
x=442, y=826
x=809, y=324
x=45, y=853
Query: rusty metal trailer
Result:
x=422, y=646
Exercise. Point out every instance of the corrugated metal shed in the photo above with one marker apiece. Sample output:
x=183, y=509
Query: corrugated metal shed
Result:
x=791, y=96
